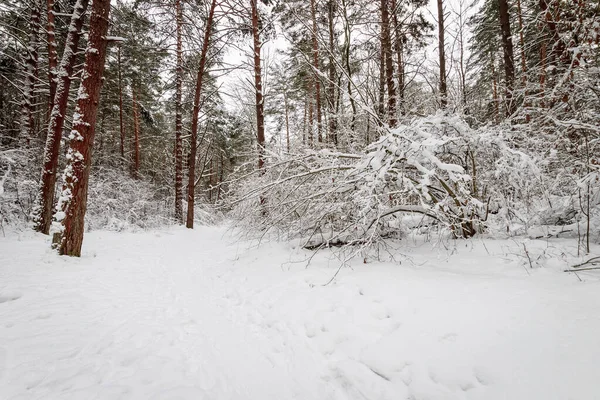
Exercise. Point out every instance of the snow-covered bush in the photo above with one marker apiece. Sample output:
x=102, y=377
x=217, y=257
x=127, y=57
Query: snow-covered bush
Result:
x=17, y=188
x=436, y=167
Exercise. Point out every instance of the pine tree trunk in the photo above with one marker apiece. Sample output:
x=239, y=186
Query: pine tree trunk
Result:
x=194, y=133
x=287, y=120
x=315, y=45
x=121, y=126
x=442, y=55
x=73, y=200
x=386, y=46
x=507, y=49
x=31, y=73
x=136, y=136
x=523, y=59
x=52, y=55
x=381, y=102
x=260, y=117
x=346, y=55
x=178, y=118
x=331, y=85
x=399, y=55
x=43, y=212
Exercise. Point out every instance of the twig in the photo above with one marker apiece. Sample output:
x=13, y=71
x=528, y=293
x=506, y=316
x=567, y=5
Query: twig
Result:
x=581, y=269
x=591, y=261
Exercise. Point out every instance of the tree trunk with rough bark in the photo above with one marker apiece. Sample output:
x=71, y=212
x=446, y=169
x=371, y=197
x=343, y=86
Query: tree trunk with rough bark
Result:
x=331, y=84
x=121, y=124
x=45, y=199
x=52, y=55
x=73, y=199
x=136, y=136
x=178, y=117
x=386, y=48
x=507, y=49
x=260, y=117
x=31, y=73
x=442, y=55
x=196, y=110
x=315, y=45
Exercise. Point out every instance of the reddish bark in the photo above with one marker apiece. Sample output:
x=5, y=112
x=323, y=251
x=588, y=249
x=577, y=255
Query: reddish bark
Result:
x=73, y=201
x=43, y=214
x=195, y=112
x=52, y=55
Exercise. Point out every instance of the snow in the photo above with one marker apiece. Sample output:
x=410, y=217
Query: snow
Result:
x=182, y=314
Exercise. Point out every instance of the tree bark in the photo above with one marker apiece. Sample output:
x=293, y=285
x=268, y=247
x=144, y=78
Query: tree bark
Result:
x=260, y=117
x=399, y=55
x=194, y=133
x=73, y=200
x=442, y=55
x=52, y=55
x=507, y=49
x=178, y=118
x=43, y=212
x=121, y=126
x=331, y=84
x=386, y=48
x=315, y=45
x=136, y=135
x=346, y=55
x=31, y=74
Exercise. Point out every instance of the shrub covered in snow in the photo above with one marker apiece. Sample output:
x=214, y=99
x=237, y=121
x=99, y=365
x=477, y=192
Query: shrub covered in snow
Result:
x=457, y=179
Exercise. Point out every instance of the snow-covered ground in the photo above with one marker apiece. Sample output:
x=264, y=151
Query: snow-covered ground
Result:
x=179, y=314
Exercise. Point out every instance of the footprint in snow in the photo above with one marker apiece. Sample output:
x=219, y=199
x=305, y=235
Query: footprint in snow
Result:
x=5, y=298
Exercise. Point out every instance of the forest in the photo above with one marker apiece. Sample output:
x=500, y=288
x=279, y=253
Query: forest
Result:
x=329, y=136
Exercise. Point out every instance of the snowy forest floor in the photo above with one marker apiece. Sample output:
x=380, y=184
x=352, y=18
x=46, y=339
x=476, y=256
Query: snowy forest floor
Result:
x=180, y=314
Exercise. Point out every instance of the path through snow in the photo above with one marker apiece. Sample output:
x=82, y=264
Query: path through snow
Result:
x=181, y=314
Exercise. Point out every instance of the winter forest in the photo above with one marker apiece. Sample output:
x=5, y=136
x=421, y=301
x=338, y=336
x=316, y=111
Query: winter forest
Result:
x=299, y=199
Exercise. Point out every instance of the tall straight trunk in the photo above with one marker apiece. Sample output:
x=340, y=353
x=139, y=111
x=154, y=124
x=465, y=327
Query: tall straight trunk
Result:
x=523, y=59
x=287, y=120
x=260, y=117
x=178, y=118
x=136, y=135
x=52, y=55
x=315, y=45
x=442, y=55
x=45, y=199
x=507, y=49
x=495, y=92
x=399, y=48
x=311, y=138
x=121, y=126
x=73, y=200
x=331, y=84
x=196, y=110
x=381, y=100
x=386, y=47
x=346, y=55
x=305, y=120
x=31, y=73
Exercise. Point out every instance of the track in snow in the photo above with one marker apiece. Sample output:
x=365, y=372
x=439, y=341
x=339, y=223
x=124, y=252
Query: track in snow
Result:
x=192, y=315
